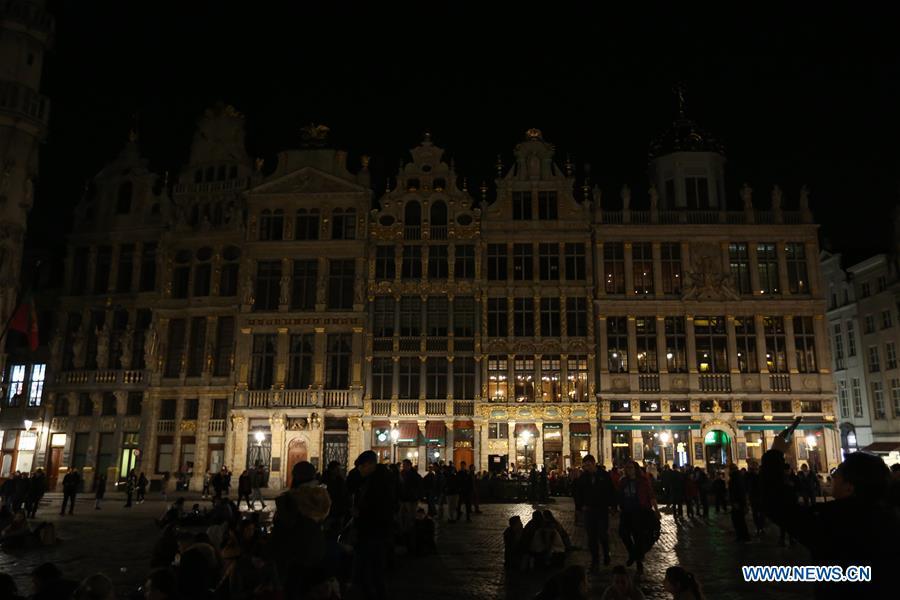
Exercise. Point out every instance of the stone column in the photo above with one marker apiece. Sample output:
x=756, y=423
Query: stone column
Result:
x=754, y=268
x=357, y=358
x=566, y=441
x=512, y=443
x=539, y=444
x=201, y=443
x=356, y=438
x=789, y=343
x=320, y=348
x=595, y=439
x=242, y=357
x=238, y=440
x=823, y=358
x=632, y=345
x=422, y=464
x=690, y=344
x=599, y=275
x=657, y=270
x=661, y=345
x=479, y=445
x=783, y=282
x=282, y=342
x=276, y=422
x=731, y=344
x=113, y=267
x=604, y=346
x=759, y=325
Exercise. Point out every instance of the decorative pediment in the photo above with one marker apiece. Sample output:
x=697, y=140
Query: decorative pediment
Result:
x=308, y=180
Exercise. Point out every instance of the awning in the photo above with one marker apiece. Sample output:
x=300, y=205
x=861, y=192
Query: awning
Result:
x=781, y=426
x=580, y=428
x=523, y=427
x=409, y=432
x=381, y=424
x=435, y=431
x=883, y=447
x=649, y=427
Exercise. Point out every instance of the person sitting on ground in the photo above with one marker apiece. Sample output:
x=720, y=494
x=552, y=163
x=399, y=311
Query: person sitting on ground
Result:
x=569, y=584
x=96, y=587
x=682, y=584
x=423, y=529
x=539, y=540
x=172, y=515
x=49, y=584
x=512, y=543
x=563, y=534
x=16, y=533
x=622, y=586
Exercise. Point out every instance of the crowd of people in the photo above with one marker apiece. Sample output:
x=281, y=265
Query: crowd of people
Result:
x=353, y=528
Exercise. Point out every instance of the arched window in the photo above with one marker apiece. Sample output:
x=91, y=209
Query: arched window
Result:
x=438, y=220
x=123, y=201
x=343, y=224
x=412, y=220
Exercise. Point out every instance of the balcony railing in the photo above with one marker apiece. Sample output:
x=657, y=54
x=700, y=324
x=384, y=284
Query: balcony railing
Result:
x=297, y=398
x=165, y=426
x=780, y=383
x=436, y=344
x=216, y=425
x=463, y=408
x=439, y=232
x=408, y=407
x=648, y=383
x=715, y=382
x=412, y=232
x=381, y=408
x=436, y=407
x=105, y=376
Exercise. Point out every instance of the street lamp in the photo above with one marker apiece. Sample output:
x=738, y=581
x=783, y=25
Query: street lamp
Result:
x=259, y=436
x=395, y=435
x=28, y=423
x=811, y=441
x=526, y=435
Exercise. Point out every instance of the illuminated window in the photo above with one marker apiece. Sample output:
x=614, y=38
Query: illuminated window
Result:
x=498, y=376
x=524, y=378
x=767, y=265
x=550, y=379
x=642, y=268
x=795, y=255
x=577, y=377
x=16, y=385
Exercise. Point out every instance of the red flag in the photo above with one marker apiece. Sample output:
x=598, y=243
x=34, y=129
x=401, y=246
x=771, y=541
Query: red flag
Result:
x=24, y=320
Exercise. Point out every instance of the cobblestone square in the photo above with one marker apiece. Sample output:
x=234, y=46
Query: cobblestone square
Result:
x=118, y=541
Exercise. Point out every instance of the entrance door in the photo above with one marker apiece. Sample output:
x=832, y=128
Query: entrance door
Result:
x=718, y=449
x=336, y=448
x=296, y=453
x=461, y=455
x=53, y=467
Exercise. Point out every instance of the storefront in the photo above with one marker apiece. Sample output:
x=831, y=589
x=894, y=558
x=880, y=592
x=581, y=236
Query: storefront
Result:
x=381, y=440
x=579, y=442
x=526, y=442
x=621, y=447
x=407, y=442
x=463, y=443
x=435, y=441
x=553, y=446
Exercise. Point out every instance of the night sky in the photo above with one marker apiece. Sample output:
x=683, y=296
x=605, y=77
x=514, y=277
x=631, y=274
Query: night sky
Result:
x=797, y=98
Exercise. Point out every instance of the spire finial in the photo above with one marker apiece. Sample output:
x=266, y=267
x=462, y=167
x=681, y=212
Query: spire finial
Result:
x=484, y=190
x=679, y=90
x=427, y=139
x=499, y=166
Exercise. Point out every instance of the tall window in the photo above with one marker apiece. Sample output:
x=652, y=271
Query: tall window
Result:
x=271, y=225
x=175, y=347
x=36, y=383
x=307, y=224
x=671, y=267
x=712, y=343
x=436, y=369
x=385, y=264
x=696, y=190
x=191, y=409
x=548, y=262
x=551, y=384
x=437, y=316
x=412, y=220
x=464, y=378
x=895, y=396
x=739, y=259
x=382, y=378
x=874, y=362
x=886, y=320
x=614, y=267
x=16, y=394
x=498, y=375
x=224, y=345
x=523, y=368
x=438, y=220
x=856, y=389
x=767, y=264
x=878, y=400
x=104, y=265
x=745, y=335
x=795, y=254
x=301, y=354
x=577, y=378
x=337, y=361
x=262, y=362
x=411, y=267
x=890, y=355
x=675, y=345
x=547, y=206
x=197, y=347
x=843, y=399
x=575, y=263
x=181, y=274
x=646, y=345
x=464, y=259
x=410, y=316
x=642, y=268
x=776, y=352
x=617, y=344
x=523, y=262
x=523, y=317
x=550, y=317
x=134, y=403
x=464, y=317
x=341, y=279
x=437, y=262
x=268, y=285
x=576, y=317
x=228, y=279
x=343, y=224
x=496, y=262
x=384, y=316
x=410, y=373
x=125, y=268
x=838, y=347
x=497, y=317
x=202, y=272
x=304, y=284
x=851, y=339
x=521, y=205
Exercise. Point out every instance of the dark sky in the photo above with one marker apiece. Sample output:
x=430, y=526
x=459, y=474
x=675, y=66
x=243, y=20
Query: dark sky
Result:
x=802, y=97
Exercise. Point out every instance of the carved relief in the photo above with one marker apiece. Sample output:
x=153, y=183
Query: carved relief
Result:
x=706, y=279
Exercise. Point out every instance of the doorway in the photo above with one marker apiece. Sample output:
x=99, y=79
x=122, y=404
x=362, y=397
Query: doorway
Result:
x=717, y=446
x=297, y=452
x=53, y=467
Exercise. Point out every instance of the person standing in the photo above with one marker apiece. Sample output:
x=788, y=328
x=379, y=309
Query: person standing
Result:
x=720, y=492
x=737, y=496
x=37, y=486
x=244, y=489
x=451, y=489
x=410, y=492
x=257, y=478
x=703, y=489
x=466, y=489
x=206, y=481
x=129, y=488
x=475, y=480
x=594, y=495
x=676, y=493
x=142, y=483
x=71, y=483
x=638, y=506
x=374, y=504
x=100, y=490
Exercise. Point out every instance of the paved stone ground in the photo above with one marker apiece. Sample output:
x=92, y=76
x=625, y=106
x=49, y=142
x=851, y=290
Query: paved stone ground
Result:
x=117, y=542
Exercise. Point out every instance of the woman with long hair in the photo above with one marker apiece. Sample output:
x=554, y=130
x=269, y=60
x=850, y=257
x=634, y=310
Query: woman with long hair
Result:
x=682, y=584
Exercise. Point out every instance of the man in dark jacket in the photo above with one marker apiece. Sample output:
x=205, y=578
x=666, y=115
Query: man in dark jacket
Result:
x=71, y=483
x=410, y=492
x=37, y=486
x=755, y=493
x=858, y=528
x=737, y=497
x=466, y=488
x=374, y=505
x=594, y=494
